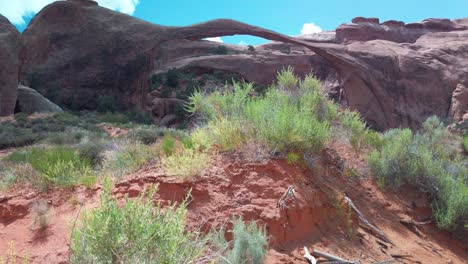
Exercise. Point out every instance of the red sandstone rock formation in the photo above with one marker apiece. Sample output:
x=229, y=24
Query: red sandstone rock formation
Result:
x=9, y=66
x=396, y=75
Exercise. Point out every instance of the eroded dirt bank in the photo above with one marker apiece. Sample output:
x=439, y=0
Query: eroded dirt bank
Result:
x=317, y=217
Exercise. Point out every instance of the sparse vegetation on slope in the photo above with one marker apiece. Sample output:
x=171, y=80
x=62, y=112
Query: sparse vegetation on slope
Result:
x=61, y=166
x=249, y=243
x=293, y=115
x=429, y=160
x=137, y=232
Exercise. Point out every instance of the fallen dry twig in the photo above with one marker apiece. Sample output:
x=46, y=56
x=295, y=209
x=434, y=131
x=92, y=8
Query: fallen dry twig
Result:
x=288, y=195
x=377, y=232
x=331, y=257
x=311, y=259
x=413, y=226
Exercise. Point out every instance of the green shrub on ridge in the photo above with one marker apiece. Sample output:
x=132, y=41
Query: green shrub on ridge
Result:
x=292, y=116
x=425, y=160
x=137, y=232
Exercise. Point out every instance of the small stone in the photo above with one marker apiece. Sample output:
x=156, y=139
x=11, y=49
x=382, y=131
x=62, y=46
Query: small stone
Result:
x=30, y=195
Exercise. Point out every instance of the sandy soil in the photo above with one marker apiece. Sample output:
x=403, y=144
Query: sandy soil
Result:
x=317, y=218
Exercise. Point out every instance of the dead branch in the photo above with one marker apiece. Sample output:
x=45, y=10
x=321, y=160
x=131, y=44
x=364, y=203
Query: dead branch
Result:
x=413, y=226
x=377, y=232
x=288, y=195
x=331, y=257
x=311, y=259
x=397, y=256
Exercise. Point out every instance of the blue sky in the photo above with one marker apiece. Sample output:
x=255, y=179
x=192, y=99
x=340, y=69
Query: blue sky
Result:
x=287, y=16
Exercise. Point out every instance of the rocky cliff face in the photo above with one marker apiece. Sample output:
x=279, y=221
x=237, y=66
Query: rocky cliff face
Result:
x=395, y=74
x=9, y=66
x=90, y=52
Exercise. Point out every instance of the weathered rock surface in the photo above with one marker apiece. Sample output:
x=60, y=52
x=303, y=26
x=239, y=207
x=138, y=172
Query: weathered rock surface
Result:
x=9, y=65
x=394, y=74
x=365, y=29
x=30, y=101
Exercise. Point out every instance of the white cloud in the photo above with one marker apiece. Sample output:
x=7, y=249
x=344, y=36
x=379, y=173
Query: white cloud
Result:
x=215, y=39
x=310, y=28
x=16, y=10
x=243, y=43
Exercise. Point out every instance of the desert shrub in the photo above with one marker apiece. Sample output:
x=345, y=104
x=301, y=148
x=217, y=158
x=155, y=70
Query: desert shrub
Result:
x=221, y=50
x=11, y=136
x=106, y=103
x=250, y=48
x=139, y=117
x=156, y=80
x=357, y=128
x=374, y=139
x=425, y=160
x=11, y=174
x=69, y=137
x=286, y=50
x=146, y=135
x=66, y=118
x=114, y=118
x=127, y=156
x=168, y=145
x=284, y=119
x=60, y=165
x=293, y=158
x=287, y=79
x=42, y=214
x=186, y=163
x=249, y=244
x=172, y=78
x=93, y=150
x=21, y=118
x=285, y=126
x=137, y=232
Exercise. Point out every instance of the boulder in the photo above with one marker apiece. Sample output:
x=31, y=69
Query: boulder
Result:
x=459, y=107
x=9, y=66
x=30, y=101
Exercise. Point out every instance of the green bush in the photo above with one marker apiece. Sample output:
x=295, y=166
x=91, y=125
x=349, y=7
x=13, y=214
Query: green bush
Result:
x=139, y=117
x=127, y=156
x=106, y=103
x=250, y=48
x=70, y=137
x=186, y=163
x=93, y=151
x=425, y=160
x=21, y=118
x=137, y=232
x=146, y=136
x=115, y=118
x=357, y=128
x=61, y=166
x=172, y=78
x=221, y=50
x=287, y=118
x=250, y=244
x=11, y=174
x=287, y=79
x=168, y=144
x=11, y=136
